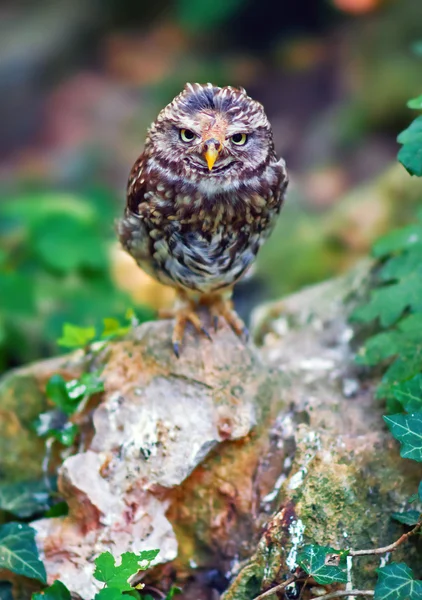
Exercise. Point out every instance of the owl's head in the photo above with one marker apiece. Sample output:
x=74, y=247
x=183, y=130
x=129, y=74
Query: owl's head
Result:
x=211, y=133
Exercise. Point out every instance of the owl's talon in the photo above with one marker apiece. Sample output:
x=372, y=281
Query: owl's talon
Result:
x=224, y=308
x=176, y=349
x=207, y=335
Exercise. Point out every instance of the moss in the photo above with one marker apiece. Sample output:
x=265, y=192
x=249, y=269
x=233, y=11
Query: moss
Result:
x=21, y=451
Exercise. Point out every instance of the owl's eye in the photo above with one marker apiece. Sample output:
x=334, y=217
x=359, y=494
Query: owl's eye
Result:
x=239, y=139
x=186, y=135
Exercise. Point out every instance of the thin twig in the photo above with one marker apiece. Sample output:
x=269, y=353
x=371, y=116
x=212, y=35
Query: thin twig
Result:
x=281, y=586
x=342, y=593
x=389, y=548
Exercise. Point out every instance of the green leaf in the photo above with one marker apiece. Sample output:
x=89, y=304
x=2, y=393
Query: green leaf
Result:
x=116, y=576
x=18, y=552
x=395, y=582
x=57, y=392
x=65, y=243
x=57, y=591
x=110, y=594
x=412, y=134
x=410, y=517
x=323, y=563
x=54, y=424
x=68, y=395
x=390, y=301
x=410, y=155
x=399, y=239
x=147, y=555
x=76, y=337
x=113, y=328
x=60, y=509
x=409, y=394
x=407, y=429
x=415, y=103
x=25, y=499
x=87, y=385
x=173, y=591
x=17, y=294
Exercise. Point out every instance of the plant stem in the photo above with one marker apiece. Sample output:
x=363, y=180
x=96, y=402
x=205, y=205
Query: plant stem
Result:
x=281, y=586
x=389, y=548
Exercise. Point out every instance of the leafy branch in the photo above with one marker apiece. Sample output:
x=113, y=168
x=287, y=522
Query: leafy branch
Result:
x=326, y=566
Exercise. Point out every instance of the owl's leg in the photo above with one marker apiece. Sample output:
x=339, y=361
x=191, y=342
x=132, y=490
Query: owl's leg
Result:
x=222, y=307
x=183, y=313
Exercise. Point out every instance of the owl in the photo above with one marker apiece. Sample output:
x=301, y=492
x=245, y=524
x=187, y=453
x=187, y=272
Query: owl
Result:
x=202, y=198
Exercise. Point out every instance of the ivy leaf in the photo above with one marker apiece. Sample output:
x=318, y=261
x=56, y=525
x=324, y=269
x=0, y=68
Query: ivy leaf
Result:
x=409, y=393
x=410, y=155
x=57, y=591
x=18, y=552
x=399, y=239
x=57, y=392
x=25, y=499
x=412, y=134
x=410, y=517
x=389, y=302
x=113, y=328
x=116, y=576
x=76, y=337
x=54, y=423
x=110, y=594
x=407, y=429
x=415, y=103
x=87, y=385
x=395, y=582
x=67, y=395
x=323, y=563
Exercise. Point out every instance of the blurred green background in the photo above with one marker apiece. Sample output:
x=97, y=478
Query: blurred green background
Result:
x=80, y=83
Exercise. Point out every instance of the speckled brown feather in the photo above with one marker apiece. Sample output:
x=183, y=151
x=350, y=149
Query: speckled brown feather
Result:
x=191, y=228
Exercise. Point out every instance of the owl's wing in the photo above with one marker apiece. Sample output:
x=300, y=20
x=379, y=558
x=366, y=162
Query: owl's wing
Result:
x=136, y=187
x=132, y=230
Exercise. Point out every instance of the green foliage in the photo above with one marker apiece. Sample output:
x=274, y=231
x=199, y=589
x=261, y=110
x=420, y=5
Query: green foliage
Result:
x=410, y=517
x=76, y=337
x=18, y=552
x=52, y=425
x=409, y=394
x=407, y=429
x=67, y=395
x=396, y=304
x=55, y=268
x=57, y=591
x=117, y=576
x=410, y=155
x=203, y=15
x=25, y=499
x=323, y=563
x=395, y=582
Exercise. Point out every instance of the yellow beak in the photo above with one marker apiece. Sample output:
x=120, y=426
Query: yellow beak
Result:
x=211, y=154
